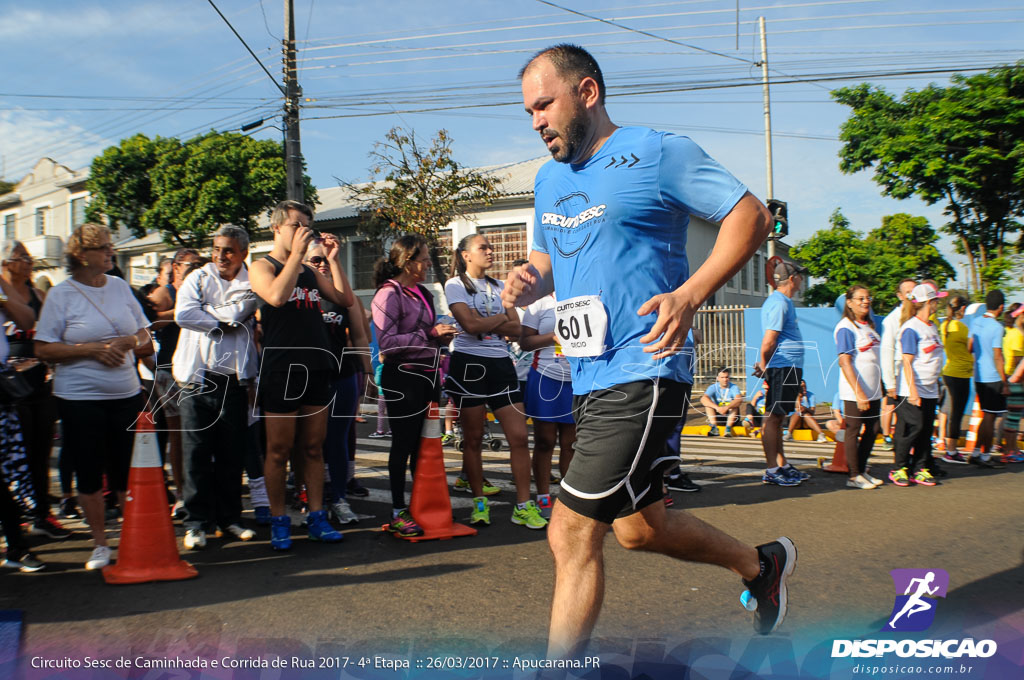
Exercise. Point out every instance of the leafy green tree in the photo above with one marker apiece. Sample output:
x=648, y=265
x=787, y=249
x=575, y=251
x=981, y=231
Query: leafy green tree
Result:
x=961, y=145
x=186, y=190
x=416, y=189
x=902, y=247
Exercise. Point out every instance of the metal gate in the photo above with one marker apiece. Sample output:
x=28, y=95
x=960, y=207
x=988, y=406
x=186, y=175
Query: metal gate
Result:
x=724, y=344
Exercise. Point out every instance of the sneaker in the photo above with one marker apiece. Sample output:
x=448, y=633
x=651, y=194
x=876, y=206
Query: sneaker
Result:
x=795, y=473
x=100, y=558
x=320, y=529
x=343, y=513
x=1014, y=458
x=755, y=433
x=462, y=484
x=262, y=513
x=787, y=436
x=379, y=435
x=980, y=462
x=238, y=531
x=924, y=478
x=997, y=462
x=178, y=510
x=354, y=488
x=859, y=482
x=887, y=443
x=195, y=539
x=899, y=477
x=713, y=432
x=404, y=526
x=69, y=509
x=779, y=478
x=529, y=516
x=49, y=526
x=544, y=504
x=769, y=590
x=668, y=501
x=875, y=481
x=447, y=439
x=25, y=564
x=681, y=482
x=821, y=439
x=481, y=512
x=281, y=532
x=955, y=457
x=728, y=432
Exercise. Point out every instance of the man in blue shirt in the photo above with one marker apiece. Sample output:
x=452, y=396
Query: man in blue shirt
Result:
x=722, y=400
x=781, y=362
x=610, y=240
x=989, y=374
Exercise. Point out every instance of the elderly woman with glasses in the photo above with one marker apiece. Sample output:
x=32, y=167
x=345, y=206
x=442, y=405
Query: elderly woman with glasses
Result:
x=93, y=328
x=37, y=412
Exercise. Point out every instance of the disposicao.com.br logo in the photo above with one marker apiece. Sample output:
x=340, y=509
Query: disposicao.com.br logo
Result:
x=914, y=610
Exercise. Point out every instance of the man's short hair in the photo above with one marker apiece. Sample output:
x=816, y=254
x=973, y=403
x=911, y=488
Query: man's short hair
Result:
x=280, y=213
x=237, y=233
x=899, y=286
x=724, y=369
x=994, y=300
x=572, y=63
x=182, y=253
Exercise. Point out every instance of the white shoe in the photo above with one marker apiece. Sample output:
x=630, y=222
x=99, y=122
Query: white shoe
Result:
x=178, y=509
x=822, y=438
x=343, y=513
x=859, y=482
x=100, y=558
x=195, y=539
x=239, y=532
x=787, y=437
x=875, y=481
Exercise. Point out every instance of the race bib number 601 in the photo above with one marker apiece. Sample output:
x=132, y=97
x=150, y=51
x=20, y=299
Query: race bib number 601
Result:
x=580, y=325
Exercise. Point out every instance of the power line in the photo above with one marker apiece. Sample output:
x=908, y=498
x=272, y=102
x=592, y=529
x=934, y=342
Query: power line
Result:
x=277, y=84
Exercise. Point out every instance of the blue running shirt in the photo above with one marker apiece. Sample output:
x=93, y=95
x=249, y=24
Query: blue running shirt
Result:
x=615, y=226
x=778, y=313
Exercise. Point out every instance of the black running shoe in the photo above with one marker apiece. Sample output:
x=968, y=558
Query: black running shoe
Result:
x=681, y=482
x=354, y=488
x=769, y=589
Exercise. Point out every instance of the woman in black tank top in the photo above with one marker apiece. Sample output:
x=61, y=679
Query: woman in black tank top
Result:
x=296, y=352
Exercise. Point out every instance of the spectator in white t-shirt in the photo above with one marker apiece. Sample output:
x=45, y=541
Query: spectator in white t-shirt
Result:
x=93, y=328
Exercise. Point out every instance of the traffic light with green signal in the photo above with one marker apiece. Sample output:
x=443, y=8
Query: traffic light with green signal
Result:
x=780, y=226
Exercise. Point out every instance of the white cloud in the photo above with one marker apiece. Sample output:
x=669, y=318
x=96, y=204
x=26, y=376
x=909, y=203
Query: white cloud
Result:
x=91, y=25
x=27, y=137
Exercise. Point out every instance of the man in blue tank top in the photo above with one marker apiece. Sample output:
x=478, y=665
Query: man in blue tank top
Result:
x=610, y=240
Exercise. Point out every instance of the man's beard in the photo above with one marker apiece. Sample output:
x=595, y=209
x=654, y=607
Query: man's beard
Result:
x=573, y=139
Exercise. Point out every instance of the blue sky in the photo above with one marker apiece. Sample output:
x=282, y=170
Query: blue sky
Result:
x=101, y=71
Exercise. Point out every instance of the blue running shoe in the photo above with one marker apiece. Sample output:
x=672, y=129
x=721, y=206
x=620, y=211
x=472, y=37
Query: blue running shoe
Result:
x=713, y=432
x=320, y=529
x=281, y=532
x=262, y=513
x=780, y=478
x=793, y=472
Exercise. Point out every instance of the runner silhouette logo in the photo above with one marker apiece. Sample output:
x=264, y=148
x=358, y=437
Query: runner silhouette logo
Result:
x=916, y=590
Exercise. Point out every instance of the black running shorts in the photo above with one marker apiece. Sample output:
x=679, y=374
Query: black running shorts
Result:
x=620, y=452
x=476, y=381
x=783, y=389
x=287, y=391
x=990, y=396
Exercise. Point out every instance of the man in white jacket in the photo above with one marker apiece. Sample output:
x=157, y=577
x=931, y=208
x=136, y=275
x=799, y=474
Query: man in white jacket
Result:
x=214, y=363
x=891, y=360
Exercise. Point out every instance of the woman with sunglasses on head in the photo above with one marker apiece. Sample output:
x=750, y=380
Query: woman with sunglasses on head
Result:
x=482, y=374
x=93, y=328
x=344, y=390
x=38, y=412
x=410, y=339
x=860, y=384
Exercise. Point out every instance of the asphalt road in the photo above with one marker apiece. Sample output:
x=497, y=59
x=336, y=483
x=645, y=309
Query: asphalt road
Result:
x=491, y=593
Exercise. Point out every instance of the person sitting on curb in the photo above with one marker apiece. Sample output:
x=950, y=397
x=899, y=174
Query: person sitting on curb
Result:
x=722, y=400
x=803, y=414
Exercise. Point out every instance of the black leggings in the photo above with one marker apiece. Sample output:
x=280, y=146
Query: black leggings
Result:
x=408, y=392
x=914, y=432
x=957, y=391
x=857, y=444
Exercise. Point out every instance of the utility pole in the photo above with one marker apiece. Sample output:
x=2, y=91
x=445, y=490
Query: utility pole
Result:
x=767, y=123
x=292, y=145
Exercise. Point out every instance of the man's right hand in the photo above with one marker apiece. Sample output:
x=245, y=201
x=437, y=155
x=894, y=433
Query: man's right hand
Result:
x=520, y=286
x=758, y=370
x=300, y=241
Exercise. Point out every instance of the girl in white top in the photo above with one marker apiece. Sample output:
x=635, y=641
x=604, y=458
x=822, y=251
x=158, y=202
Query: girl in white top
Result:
x=548, y=397
x=921, y=351
x=860, y=384
x=481, y=374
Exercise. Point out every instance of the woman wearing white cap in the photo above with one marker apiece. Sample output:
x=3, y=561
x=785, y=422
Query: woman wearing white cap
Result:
x=922, y=357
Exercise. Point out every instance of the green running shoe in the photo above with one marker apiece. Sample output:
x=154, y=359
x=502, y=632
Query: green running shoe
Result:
x=462, y=484
x=481, y=511
x=529, y=516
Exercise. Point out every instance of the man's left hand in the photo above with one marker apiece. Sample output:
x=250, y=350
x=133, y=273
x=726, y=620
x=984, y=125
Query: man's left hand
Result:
x=675, y=316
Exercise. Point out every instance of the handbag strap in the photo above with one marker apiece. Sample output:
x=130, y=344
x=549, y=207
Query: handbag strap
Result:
x=117, y=331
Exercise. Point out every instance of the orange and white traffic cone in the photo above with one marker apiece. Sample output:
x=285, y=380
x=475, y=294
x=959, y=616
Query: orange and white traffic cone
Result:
x=430, y=504
x=148, y=550
x=972, y=428
x=838, y=463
